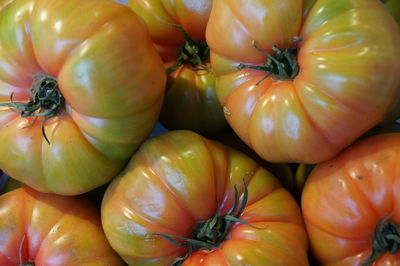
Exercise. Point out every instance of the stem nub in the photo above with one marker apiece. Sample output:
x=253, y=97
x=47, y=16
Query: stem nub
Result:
x=386, y=238
x=46, y=101
x=211, y=233
x=192, y=53
x=281, y=65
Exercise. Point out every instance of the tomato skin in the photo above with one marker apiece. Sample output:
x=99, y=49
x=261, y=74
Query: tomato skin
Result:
x=191, y=101
x=110, y=75
x=393, y=6
x=281, y=171
x=340, y=92
x=52, y=230
x=3, y=3
x=192, y=15
x=344, y=198
x=179, y=178
x=307, y=6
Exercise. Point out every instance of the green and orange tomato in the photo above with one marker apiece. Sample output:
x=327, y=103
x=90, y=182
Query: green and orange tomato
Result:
x=302, y=89
x=191, y=101
x=180, y=182
x=88, y=69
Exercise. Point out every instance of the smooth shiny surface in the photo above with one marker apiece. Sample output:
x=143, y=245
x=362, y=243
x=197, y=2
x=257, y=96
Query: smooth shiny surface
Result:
x=179, y=178
x=51, y=230
x=4, y=3
x=192, y=15
x=344, y=198
x=348, y=79
x=110, y=75
x=191, y=101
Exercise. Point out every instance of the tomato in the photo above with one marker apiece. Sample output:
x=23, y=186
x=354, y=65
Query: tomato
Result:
x=345, y=198
x=394, y=8
x=47, y=229
x=101, y=84
x=190, y=101
x=178, y=181
x=333, y=75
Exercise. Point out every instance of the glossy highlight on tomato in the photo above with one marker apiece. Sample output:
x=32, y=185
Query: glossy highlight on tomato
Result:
x=340, y=75
x=47, y=229
x=191, y=101
x=179, y=179
x=345, y=199
x=92, y=64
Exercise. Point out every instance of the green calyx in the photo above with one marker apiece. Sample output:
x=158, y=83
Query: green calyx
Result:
x=281, y=65
x=386, y=238
x=192, y=53
x=46, y=101
x=211, y=233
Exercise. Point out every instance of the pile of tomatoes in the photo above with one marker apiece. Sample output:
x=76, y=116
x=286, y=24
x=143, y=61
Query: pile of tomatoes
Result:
x=199, y=132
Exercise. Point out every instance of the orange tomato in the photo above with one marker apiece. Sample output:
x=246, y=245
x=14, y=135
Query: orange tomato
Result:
x=95, y=63
x=47, y=229
x=345, y=198
x=333, y=75
x=179, y=180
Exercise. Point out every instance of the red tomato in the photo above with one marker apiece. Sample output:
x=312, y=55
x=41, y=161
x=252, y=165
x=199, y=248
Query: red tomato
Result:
x=93, y=66
x=179, y=180
x=345, y=198
x=191, y=101
x=47, y=229
x=333, y=75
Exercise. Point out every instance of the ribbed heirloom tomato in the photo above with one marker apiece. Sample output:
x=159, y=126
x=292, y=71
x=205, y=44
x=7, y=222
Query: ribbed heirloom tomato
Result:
x=80, y=87
x=301, y=90
x=47, y=229
x=182, y=184
x=352, y=204
x=191, y=101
